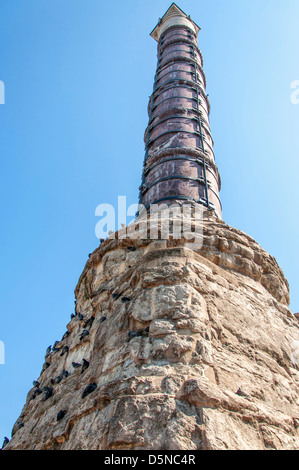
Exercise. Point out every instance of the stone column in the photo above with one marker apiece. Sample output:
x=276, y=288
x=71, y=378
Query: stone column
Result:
x=179, y=159
x=172, y=348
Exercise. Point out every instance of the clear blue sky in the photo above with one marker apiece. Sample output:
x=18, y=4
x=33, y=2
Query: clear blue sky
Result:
x=77, y=76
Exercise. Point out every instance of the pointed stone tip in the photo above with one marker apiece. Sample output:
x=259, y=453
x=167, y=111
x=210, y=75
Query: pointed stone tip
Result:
x=174, y=15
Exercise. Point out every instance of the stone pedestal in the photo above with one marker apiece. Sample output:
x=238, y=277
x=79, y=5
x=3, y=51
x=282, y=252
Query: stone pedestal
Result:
x=175, y=349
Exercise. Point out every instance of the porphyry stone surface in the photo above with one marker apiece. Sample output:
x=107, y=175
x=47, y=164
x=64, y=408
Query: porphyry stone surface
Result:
x=183, y=349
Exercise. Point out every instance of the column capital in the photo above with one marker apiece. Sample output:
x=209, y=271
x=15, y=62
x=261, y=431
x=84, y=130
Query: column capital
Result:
x=173, y=16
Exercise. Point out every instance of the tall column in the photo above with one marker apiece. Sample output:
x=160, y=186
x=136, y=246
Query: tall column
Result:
x=179, y=162
x=171, y=348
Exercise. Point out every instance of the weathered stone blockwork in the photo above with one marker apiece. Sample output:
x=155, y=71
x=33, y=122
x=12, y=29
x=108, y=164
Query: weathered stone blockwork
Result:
x=188, y=350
